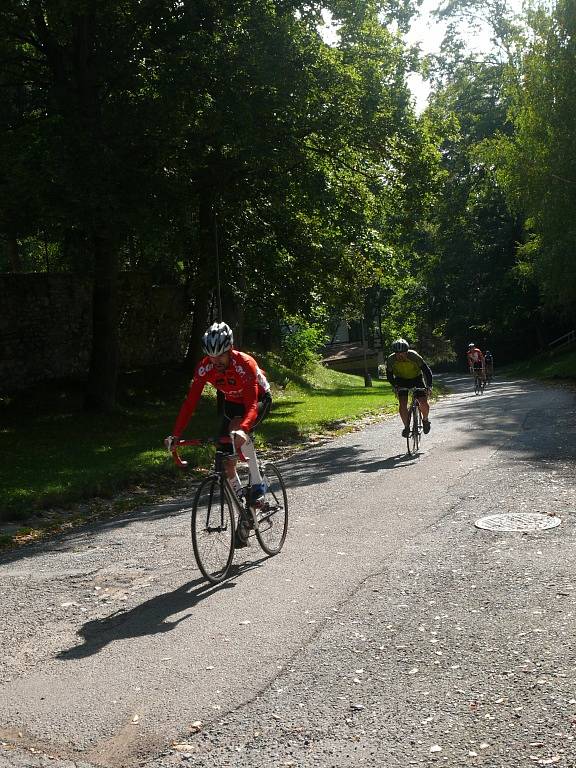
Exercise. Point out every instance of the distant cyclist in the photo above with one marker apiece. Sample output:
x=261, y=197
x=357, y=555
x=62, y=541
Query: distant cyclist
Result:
x=406, y=370
x=489, y=365
x=247, y=401
x=475, y=360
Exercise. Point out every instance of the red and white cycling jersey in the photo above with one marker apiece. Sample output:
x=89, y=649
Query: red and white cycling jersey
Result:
x=475, y=356
x=242, y=382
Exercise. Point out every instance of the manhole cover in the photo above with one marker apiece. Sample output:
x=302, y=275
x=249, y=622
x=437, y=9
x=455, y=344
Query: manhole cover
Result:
x=517, y=521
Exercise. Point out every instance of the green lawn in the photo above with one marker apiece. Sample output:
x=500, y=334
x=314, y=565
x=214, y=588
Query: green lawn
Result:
x=51, y=453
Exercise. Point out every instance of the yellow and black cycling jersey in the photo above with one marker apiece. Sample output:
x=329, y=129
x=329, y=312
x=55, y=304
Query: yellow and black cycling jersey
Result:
x=407, y=367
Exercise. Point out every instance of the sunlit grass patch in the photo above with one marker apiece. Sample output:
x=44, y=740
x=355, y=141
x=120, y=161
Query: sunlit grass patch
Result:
x=59, y=458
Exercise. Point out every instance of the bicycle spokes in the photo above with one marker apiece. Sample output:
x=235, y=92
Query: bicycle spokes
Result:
x=213, y=529
x=271, y=514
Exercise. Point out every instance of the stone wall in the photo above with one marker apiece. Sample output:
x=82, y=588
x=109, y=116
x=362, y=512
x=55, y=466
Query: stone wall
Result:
x=46, y=326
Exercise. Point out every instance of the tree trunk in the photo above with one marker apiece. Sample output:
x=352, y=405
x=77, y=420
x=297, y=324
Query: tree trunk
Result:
x=14, y=254
x=103, y=375
x=199, y=325
x=206, y=280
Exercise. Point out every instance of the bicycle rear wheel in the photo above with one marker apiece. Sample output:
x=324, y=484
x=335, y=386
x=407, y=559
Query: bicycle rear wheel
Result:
x=212, y=526
x=476, y=385
x=271, y=517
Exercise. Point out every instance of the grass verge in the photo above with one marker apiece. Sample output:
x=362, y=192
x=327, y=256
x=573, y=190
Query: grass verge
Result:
x=53, y=455
x=544, y=366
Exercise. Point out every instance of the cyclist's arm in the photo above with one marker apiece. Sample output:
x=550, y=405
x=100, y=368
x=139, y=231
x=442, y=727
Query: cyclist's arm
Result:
x=424, y=367
x=250, y=398
x=189, y=405
x=390, y=369
x=427, y=371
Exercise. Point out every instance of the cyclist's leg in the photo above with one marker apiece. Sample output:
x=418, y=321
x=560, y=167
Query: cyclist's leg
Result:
x=424, y=405
x=422, y=397
x=230, y=420
x=249, y=451
x=402, y=387
x=403, y=410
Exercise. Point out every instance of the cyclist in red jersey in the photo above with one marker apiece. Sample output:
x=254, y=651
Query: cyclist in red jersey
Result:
x=247, y=400
x=475, y=359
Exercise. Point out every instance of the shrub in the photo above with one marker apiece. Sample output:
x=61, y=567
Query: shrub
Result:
x=301, y=344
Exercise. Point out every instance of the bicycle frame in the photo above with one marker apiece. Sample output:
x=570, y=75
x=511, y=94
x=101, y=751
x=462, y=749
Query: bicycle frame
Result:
x=220, y=510
x=219, y=465
x=479, y=376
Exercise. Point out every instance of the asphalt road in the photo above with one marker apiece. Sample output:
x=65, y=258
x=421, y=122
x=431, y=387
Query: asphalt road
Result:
x=389, y=632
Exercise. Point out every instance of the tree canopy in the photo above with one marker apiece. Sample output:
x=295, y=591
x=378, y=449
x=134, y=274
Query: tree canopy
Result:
x=153, y=136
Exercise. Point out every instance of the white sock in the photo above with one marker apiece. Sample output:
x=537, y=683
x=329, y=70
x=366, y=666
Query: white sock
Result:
x=250, y=453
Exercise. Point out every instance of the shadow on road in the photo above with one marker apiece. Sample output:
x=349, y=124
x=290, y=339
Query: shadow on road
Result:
x=497, y=419
x=152, y=616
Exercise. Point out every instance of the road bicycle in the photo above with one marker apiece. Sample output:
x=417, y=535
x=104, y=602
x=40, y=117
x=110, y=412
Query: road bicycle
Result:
x=479, y=381
x=414, y=435
x=219, y=515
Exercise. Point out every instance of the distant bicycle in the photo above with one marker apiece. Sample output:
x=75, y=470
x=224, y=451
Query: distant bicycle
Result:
x=414, y=435
x=218, y=513
x=479, y=381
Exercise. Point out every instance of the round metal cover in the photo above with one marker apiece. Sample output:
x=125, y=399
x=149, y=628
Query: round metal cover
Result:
x=517, y=521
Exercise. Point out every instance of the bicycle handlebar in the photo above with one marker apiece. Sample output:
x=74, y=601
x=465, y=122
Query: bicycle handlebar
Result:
x=181, y=443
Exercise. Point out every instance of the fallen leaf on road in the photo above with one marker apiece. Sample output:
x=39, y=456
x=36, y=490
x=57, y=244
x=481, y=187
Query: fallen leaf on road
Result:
x=196, y=726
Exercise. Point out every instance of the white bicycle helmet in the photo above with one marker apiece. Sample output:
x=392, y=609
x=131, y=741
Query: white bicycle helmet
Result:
x=217, y=339
x=400, y=345
x=471, y=345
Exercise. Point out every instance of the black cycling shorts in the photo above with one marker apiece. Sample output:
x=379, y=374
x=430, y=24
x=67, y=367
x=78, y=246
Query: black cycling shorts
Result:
x=233, y=410
x=417, y=383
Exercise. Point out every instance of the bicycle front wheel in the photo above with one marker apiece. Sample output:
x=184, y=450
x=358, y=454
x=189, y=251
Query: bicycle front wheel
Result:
x=271, y=517
x=409, y=432
x=213, y=529
x=416, y=428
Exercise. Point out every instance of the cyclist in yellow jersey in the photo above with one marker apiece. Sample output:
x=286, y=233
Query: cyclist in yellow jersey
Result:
x=406, y=370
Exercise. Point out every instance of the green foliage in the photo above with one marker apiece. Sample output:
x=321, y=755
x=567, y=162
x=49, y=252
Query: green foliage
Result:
x=537, y=165
x=138, y=123
x=301, y=344
x=476, y=290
